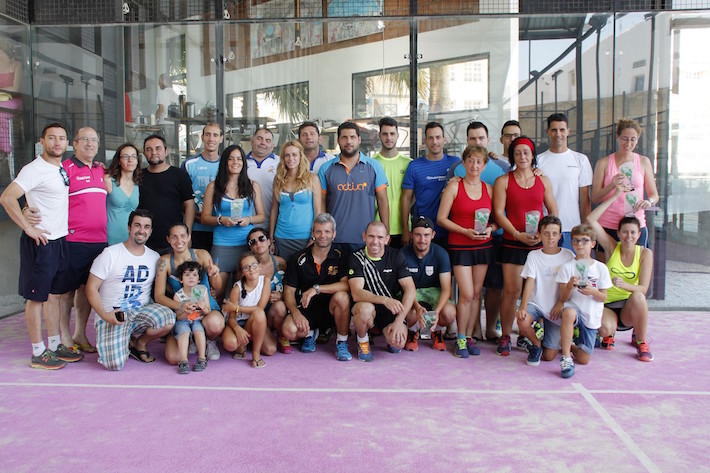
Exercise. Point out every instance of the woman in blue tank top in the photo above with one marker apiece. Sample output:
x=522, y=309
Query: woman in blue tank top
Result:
x=296, y=200
x=232, y=204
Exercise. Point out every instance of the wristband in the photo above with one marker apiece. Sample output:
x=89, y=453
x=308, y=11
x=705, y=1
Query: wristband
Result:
x=218, y=220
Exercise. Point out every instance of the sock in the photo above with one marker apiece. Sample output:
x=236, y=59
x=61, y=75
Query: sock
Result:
x=54, y=342
x=38, y=348
x=461, y=336
x=414, y=328
x=341, y=338
x=365, y=339
x=311, y=333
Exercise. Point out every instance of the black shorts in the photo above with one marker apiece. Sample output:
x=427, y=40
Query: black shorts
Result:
x=616, y=307
x=44, y=269
x=81, y=255
x=494, y=275
x=515, y=255
x=383, y=316
x=471, y=257
x=201, y=240
x=318, y=312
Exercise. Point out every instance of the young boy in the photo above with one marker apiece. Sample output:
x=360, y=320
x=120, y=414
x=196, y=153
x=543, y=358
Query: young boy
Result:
x=583, y=284
x=541, y=291
x=189, y=274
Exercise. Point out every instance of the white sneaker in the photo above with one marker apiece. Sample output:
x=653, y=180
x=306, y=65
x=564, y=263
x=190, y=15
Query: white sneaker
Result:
x=192, y=349
x=212, y=350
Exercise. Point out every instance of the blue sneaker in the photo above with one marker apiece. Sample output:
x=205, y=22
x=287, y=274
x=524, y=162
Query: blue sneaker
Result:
x=363, y=351
x=566, y=367
x=392, y=349
x=471, y=347
x=460, y=349
x=534, y=355
x=504, y=346
x=309, y=343
x=341, y=352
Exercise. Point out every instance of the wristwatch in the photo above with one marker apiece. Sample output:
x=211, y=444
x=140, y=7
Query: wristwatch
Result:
x=316, y=288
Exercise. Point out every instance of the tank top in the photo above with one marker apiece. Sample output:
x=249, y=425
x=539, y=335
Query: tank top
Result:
x=237, y=235
x=630, y=274
x=463, y=213
x=610, y=219
x=295, y=215
x=518, y=201
x=176, y=285
x=251, y=299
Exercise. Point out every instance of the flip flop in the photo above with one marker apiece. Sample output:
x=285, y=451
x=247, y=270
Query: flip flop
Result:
x=141, y=355
x=85, y=347
x=239, y=355
x=260, y=363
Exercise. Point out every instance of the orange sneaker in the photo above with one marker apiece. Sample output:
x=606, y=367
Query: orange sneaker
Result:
x=412, y=341
x=437, y=339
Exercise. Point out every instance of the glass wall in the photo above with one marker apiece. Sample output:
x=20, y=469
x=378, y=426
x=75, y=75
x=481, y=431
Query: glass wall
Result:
x=130, y=81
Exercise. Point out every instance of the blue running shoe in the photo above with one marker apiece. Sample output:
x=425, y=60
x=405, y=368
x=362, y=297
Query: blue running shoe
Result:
x=534, y=355
x=363, y=351
x=309, y=343
x=392, y=349
x=341, y=352
x=460, y=349
x=566, y=367
x=471, y=347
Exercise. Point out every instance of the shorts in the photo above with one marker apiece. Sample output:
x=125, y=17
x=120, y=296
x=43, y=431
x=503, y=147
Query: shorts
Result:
x=383, y=316
x=81, y=255
x=227, y=257
x=566, y=241
x=112, y=340
x=585, y=341
x=44, y=269
x=494, y=275
x=428, y=297
x=616, y=307
x=188, y=326
x=318, y=311
x=285, y=248
x=472, y=257
x=396, y=241
x=202, y=240
x=516, y=256
x=535, y=312
x=642, y=241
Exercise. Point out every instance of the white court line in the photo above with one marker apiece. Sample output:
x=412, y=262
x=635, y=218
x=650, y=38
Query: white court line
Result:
x=617, y=429
x=306, y=389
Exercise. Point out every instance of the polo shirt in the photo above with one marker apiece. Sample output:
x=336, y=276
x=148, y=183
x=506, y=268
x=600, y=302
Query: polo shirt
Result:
x=87, y=202
x=425, y=271
x=302, y=273
x=201, y=173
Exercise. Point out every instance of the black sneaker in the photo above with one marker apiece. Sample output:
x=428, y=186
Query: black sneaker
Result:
x=325, y=336
x=524, y=343
x=47, y=361
x=67, y=354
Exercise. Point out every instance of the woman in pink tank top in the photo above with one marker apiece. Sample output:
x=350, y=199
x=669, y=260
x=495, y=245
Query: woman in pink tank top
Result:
x=632, y=169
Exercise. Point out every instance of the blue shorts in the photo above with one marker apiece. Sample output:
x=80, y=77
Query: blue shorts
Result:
x=642, y=241
x=188, y=326
x=227, y=257
x=81, y=255
x=535, y=312
x=585, y=341
x=44, y=269
x=566, y=241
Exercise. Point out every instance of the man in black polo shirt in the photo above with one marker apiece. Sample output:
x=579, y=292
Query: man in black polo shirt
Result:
x=316, y=287
x=377, y=276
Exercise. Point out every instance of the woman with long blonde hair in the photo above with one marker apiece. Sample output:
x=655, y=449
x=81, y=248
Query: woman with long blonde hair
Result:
x=296, y=200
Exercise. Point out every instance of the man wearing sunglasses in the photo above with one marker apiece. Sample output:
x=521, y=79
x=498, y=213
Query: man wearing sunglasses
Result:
x=43, y=247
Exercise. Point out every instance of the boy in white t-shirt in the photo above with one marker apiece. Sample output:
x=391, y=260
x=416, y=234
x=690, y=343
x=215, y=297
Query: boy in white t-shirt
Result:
x=583, y=284
x=541, y=291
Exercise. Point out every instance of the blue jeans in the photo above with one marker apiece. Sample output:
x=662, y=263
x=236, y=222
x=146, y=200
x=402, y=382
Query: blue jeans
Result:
x=188, y=326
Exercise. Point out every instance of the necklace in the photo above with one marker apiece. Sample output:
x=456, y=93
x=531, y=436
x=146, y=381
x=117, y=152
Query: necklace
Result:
x=471, y=184
x=525, y=180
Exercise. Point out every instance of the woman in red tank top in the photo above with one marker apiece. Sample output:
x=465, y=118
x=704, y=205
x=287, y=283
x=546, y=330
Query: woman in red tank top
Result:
x=465, y=211
x=516, y=196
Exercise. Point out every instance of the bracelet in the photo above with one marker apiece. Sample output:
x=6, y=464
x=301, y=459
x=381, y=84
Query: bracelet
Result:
x=250, y=220
x=218, y=220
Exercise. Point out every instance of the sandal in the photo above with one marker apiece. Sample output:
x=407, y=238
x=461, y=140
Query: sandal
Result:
x=201, y=365
x=141, y=355
x=239, y=355
x=184, y=367
x=85, y=347
x=260, y=363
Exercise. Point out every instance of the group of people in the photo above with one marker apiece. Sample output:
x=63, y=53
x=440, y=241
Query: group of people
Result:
x=314, y=244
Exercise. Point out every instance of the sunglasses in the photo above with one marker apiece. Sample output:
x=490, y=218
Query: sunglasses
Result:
x=261, y=238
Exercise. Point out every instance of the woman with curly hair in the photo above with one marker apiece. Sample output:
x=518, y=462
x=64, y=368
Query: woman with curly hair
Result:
x=125, y=176
x=295, y=202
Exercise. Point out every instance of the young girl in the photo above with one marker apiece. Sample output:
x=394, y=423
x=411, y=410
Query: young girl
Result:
x=247, y=319
x=190, y=274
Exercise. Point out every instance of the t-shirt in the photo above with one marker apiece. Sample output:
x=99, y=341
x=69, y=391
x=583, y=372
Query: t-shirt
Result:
x=589, y=308
x=320, y=160
x=46, y=191
x=381, y=275
x=427, y=179
x=394, y=170
x=165, y=97
x=426, y=271
x=263, y=173
x=302, y=273
x=201, y=173
x=127, y=278
x=163, y=193
x=544, y=268
x=350, y=195
x=567, y=172
x=87, y=202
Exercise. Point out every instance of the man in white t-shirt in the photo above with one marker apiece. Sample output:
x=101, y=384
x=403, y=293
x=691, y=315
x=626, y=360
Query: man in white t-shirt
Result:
x=44, y=269
x=261, y=167
x=118, y=289
x=570, y=174
x=166, y=96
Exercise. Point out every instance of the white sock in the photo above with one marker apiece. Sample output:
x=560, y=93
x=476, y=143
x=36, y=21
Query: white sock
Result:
x=341, y=338
x=54, y=342
x=38, y=348
x=414, y=328
x=365, y=339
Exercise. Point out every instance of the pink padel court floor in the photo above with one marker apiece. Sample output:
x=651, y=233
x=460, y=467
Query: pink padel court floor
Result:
x=411, y=412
